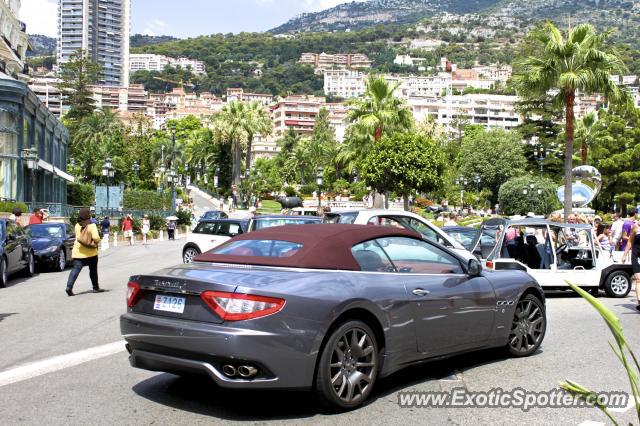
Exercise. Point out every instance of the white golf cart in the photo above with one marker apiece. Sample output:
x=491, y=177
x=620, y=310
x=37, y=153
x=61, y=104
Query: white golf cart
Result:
x=553, y=253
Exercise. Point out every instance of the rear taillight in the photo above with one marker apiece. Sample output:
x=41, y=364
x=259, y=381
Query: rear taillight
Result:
x=133, y=293
x=239, y=307
x=490, y=265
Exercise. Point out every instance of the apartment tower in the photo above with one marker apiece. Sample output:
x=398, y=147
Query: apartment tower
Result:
x=101, y=29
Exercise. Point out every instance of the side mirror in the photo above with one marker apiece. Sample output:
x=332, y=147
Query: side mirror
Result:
x=475, y=268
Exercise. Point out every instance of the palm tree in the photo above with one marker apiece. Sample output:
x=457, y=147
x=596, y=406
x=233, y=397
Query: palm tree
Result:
x=380, y=110
x=257, y=122
x=377, y=113
x=567, y=62
x=231, y=125
x=584, y=133
x=94, y=139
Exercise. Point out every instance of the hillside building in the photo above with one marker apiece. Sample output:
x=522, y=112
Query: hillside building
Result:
x=152, y=62
x=299, y=112
x=325, y=61
x=237, y=94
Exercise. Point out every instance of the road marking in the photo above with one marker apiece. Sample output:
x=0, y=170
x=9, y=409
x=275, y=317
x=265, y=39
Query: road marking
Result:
x=57, y=363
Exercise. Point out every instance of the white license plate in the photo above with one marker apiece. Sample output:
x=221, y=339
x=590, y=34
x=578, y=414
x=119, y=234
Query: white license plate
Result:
x=169, y=304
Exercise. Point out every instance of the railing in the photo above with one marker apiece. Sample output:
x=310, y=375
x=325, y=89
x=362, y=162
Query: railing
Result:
x=115, y=213
x=355, y=205
x=54, y=209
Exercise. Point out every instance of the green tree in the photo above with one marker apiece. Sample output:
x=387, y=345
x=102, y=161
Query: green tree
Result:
x=379, y=110
x=584, y=133
x=569, y=61
x=404, y=163
x=257, y=122
x=542, y=199
x=77, y=75
x=495, y=155
x=231, y=127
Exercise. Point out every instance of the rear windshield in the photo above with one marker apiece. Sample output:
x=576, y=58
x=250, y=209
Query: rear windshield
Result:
x=259, y=248
x=344, y=218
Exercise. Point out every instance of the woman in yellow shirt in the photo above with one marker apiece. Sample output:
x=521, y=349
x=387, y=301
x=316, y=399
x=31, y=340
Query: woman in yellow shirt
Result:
x=85, y=251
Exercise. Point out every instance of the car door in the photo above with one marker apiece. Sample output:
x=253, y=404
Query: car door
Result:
x=13, y=248
x=452, y=310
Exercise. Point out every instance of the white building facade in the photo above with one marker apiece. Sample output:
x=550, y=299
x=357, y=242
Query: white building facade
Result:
x=152, y=62
x=101, y=28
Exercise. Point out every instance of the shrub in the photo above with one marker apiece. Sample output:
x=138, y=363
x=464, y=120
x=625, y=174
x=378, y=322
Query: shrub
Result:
x=146, y=200
x=290, y=191
x=80, y=194
x=308, y=189
x=157, y=222
x=8, y=206
x=184, y=217
x=513, y=201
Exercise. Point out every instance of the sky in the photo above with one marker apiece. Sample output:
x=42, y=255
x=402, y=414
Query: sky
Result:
x=187, y=18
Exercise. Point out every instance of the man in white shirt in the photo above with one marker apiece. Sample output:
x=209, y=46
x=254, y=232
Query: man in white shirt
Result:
x=452, y=220
x=616, y=230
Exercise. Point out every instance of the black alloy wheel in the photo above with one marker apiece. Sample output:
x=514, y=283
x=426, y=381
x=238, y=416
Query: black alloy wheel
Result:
x=348, y=366
x=528, y=327
x=30, y=270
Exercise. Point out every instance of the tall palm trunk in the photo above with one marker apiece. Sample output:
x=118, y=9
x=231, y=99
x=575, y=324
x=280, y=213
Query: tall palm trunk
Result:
x=237, y=161
x=569, y=101
x=405, y=200
x=249, y=146
x=379, y=200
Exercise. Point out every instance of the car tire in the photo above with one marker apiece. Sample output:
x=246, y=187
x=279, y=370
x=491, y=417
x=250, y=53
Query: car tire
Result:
x=189, y=253
x=349, y=358
x=4, y=276
x=617, y=284
x=594, y=291
x=30, y=270
x=62, y=261
x=528, y=327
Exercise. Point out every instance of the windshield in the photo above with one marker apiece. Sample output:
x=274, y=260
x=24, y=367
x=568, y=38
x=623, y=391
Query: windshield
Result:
x=259, y=248
x=45, y=231
x=463, y=236
x=344, y=218
x=270, y=223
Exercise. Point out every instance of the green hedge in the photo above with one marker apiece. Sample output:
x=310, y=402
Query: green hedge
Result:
x=146, y=200
x=8, y=206
x=79, y=194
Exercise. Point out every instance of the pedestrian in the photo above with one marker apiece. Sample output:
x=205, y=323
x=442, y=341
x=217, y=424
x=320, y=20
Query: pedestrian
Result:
x=616, y=230
x=16, y=216
x=105, y=227
x=85, y=252
x=633, y=247
x=603, y=236
x=171, y=229
x=146, y=227
x=452, y=220
x=37, y=217
x=626, y=228
x=127, y=228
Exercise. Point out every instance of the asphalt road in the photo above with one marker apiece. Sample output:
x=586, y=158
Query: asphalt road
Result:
x=77, y=373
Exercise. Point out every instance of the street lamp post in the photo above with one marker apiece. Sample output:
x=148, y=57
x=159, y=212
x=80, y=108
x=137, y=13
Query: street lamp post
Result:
x=540, y=154
x=30, y=156
x=477, y=180
x=136, y=168
x=108, y=172
x=462, y=182
x=320, y=182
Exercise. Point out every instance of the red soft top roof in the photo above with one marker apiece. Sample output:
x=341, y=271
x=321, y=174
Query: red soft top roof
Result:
x=324, y=246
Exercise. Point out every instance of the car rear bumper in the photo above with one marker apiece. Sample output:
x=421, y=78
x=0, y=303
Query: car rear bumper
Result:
x=189, y=347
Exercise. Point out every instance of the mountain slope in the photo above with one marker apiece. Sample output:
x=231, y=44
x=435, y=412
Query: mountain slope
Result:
x=42, y=45
x=355, y=15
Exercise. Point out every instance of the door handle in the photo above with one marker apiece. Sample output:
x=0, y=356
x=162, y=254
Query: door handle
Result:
x=420, y=292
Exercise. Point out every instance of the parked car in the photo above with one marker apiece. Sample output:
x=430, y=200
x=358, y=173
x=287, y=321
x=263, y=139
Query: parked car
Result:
x=269, y=221
x=52, y=244
x=553, y=253
x=213, y=214
x=209, y=234
x=319, y=307
x=400, y=219
x=16, y=254
x=465, y=235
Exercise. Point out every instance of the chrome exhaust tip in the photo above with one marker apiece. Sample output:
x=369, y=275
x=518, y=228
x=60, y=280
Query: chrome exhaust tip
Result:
x=247, y=371
x=229, y=370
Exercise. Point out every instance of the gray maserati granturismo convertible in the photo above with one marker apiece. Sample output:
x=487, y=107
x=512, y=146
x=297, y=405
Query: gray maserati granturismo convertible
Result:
x=325, y=307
